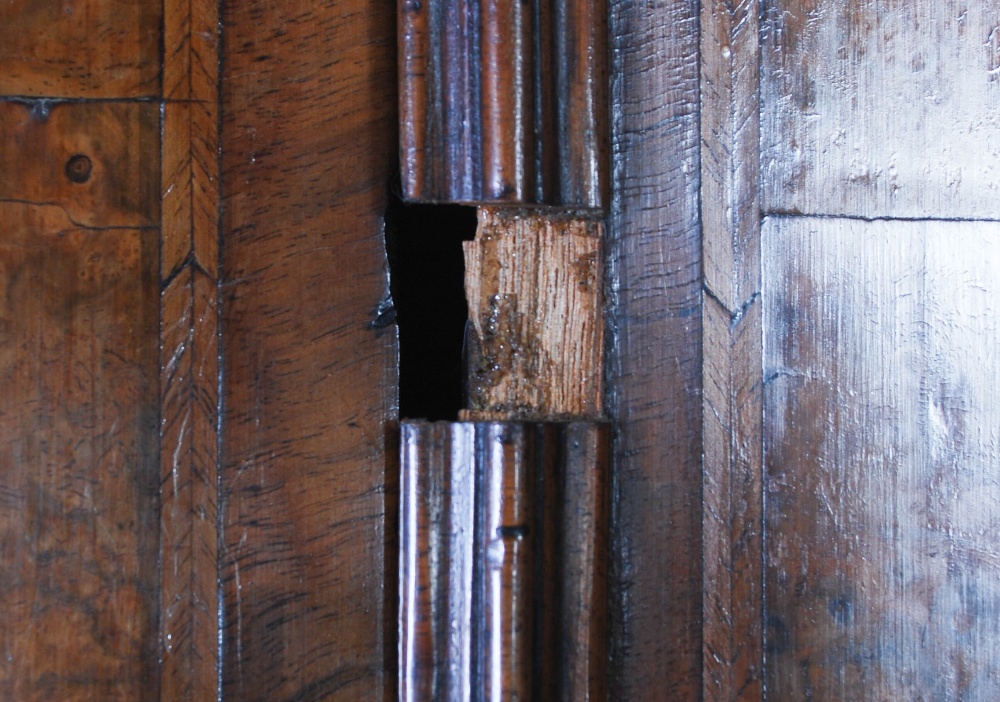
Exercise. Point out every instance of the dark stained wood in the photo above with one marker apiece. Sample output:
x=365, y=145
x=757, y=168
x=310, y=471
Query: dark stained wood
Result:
x=310, y=367
x=504, y=102
x=732, y=522
x=502, y=568
x=189, y=355
x=654, y=365
x=883, y=571
x=79, y=408
x=534, y=287
x=89, y=49
x=876, y=109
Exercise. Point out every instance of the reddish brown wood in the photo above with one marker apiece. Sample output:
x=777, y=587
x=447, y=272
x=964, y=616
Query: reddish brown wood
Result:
x=504, y=102
x=503, y=561
x=654, y=364
x=79, y=407
x=310, y=367
x=90, y=49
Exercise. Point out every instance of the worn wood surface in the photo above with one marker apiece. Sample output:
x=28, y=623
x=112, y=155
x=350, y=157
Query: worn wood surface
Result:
x=534, y=288
x=89, y=49
x=308, y=130
x=504, y=102
x=732, y=415
x=79, y=407
x=883, y=567
x=654, y=374
x=503, y=561
x=875, y=108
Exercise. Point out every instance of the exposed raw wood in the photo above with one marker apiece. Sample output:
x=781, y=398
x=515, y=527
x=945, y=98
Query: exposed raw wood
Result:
x=504, y=102
x=79, y=478
x=653, y=250
x=534, y=287
x=503, y=561
x=309, y=123
x=882, y=109
x=732, y=522
x=883, y=571
x=87, y=49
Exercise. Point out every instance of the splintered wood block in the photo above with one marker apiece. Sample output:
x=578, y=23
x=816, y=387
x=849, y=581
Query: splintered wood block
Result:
x=533, y=285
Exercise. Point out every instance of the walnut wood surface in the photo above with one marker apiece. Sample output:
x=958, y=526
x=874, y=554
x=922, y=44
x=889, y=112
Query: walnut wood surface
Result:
x=504, y=101
x=503, y=561
x=534, y=288
x=883, y=567
x=654, y=354
x=79, y=407
x=308, y=570
x=88, y=49
x=876, y=109
x=732, y=519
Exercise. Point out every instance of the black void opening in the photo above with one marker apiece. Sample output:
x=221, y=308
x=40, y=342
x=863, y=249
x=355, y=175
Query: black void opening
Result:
x=427, y=282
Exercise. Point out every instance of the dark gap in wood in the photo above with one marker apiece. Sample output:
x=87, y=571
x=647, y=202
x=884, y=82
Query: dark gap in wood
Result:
x=427, y=283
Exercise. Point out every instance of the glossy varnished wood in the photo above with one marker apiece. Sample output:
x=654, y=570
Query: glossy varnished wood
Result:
x=309, y=364
x=504, y=101
x=534, y=286
x=79, y=407
x=90, y=49
x=654, y=368
x=503, y=561
x=875, y=109
x=883, y=567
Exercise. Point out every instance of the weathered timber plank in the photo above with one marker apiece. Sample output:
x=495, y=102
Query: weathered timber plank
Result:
x=883, y=496
x=882, y=109
x=78, y=458
x=89, y=49
x=309, y=131
x=732, y=415
x=534, y=288
x=654, y=375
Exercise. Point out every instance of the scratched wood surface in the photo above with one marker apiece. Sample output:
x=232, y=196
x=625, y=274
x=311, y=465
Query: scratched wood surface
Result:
x=90, y=49
x=879, y=108
x=534, y=288
x=79, y=407
x=883, y=570
x=654, y=366
x=308, y=572
x=732, y=646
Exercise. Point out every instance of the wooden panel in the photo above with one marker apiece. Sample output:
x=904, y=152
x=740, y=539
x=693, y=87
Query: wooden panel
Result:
x=504, y=101
x=78, y=460
x=654, y=374
x=533, y=284
x=883, y=494
x=876, y=108
x=503, y=561
x=89, y=49
x=731, y=340
x=110, y=146
x=308, y=569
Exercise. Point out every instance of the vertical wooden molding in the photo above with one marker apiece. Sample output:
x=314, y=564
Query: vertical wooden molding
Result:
x=189, y=353
x=731, y=375
x=503, y=561
x=504, y=102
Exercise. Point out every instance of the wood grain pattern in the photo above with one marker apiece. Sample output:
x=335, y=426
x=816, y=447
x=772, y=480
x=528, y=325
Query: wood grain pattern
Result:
x=882, y=109
x=78, y=459
x=732, y=522
x=533, y=285
x=503, y=561
x=504, y=102
x=883, y=571
x=89, y=49
x=654, y=364
x=309, y=133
